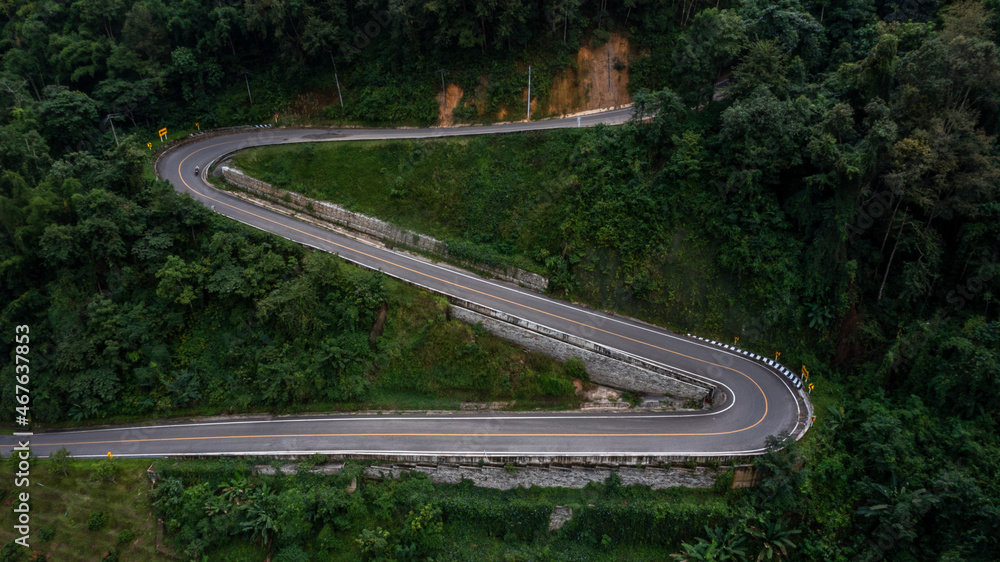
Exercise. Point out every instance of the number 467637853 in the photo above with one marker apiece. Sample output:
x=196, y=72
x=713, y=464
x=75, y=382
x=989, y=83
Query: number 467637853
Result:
x=22, y=372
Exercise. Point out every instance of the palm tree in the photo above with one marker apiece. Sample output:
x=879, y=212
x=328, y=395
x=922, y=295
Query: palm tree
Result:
x=237, y=491
x=260, y=519
x=260, y=523
x=721, y=545
x=775, y=539
x=216, y=505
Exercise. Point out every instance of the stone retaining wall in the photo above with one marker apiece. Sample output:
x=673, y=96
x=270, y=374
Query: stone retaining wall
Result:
x=553, y=477
x=500, y=477
x=605, y=366
x=369, y=226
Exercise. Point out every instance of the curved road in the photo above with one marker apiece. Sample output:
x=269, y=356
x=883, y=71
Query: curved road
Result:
x=753, y=402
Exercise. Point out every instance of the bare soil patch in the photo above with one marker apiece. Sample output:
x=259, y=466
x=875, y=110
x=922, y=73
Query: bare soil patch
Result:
x=600, y=79
x=448, y=103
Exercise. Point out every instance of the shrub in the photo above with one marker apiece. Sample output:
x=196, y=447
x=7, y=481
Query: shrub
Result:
x=195, y=548
x=59, y=461
x=553, y=385
x=126, y=536
x=523, y=518
x=574, y=368
x=642, y=522
x=293, y=553
x=46, y=533
x=327, y=538
x=373, y=542
x=106, y=471
x=600, y=37
x=97, y=520
x=632, y=398
x=312, y=461
x=423, y=531
x=724, y=481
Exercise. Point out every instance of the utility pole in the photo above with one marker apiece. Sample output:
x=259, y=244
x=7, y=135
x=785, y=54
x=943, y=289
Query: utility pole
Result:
x=111, y=117
x=529, y=93
x=339, y=95
x=444, y=92
x=248, y=86
x=337, y=78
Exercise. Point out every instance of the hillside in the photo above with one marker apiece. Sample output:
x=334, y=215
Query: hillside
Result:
x=836, y=200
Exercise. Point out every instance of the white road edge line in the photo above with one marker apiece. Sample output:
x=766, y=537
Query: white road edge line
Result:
x=774, y=370
x=478, y=453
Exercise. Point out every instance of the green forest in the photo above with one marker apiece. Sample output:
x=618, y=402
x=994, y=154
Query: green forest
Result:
x=836, y=198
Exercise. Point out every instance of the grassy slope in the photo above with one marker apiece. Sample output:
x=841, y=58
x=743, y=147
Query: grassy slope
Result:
x=508, y=195
x=64, y=503
x=436, y=362
x=492, y=190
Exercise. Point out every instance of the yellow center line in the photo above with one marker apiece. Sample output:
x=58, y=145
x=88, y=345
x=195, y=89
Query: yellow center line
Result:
x=343, y=435
x=446, y=282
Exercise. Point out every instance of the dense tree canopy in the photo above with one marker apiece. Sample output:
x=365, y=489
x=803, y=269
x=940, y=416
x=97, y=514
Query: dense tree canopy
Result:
x=837, y=197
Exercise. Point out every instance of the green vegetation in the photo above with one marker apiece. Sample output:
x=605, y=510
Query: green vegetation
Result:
x=78, y=515
x=142, y=303
x=434, y=362
x=194, y=314
x=837, y=201
x=220, y=509
x=539, y=201
x=224, y=510
x=496, y=199
x=234, y=63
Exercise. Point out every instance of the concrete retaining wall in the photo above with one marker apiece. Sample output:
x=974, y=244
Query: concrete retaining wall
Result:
x=369, y=226
x=604, y=365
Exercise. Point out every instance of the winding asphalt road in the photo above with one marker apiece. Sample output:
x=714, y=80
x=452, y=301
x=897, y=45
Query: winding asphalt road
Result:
x=754, y=400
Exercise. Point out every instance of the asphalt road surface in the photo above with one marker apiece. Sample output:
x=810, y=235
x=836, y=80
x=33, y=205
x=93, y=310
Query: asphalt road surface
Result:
x=753, y=402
